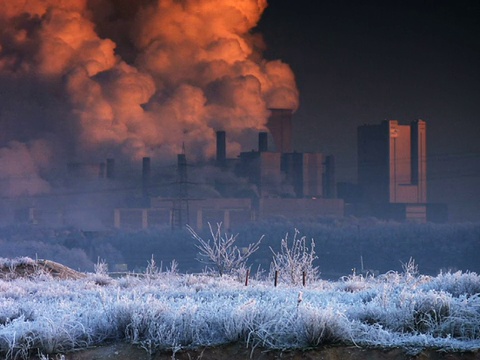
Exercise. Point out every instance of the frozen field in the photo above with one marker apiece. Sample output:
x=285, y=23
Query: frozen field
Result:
x=167, y=311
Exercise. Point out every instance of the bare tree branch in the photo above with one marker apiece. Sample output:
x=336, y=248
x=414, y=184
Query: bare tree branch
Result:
x=292, y=262
x=221, y=250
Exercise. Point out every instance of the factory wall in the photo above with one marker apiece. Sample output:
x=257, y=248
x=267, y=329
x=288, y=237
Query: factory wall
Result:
x=305, y=207
x=305, y=172
x=230, y=212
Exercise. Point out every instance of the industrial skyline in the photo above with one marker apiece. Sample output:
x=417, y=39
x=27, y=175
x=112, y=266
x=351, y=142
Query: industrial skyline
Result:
x=81, y=82
x=359, y=63
x=269, y=181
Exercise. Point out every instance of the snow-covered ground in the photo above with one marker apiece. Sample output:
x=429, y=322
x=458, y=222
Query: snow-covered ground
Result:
x=170, y=311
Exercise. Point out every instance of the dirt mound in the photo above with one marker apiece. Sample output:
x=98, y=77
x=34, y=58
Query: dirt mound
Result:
x=28, y=269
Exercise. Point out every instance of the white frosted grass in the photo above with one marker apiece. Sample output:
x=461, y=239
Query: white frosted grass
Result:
x=168, y=311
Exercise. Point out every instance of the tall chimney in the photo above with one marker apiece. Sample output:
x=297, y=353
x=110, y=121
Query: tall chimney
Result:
x=280, y=126
x=221, y=148
x=263, y=141
x=110, y=169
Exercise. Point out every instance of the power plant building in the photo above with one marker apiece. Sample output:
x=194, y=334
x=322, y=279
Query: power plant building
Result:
x=392, y=169
x=283, y=183
x=272, y=181
x=262, y=169
x=305, y=171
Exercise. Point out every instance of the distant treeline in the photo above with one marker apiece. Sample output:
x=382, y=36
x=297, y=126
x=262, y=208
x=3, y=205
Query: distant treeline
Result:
x=343, y=246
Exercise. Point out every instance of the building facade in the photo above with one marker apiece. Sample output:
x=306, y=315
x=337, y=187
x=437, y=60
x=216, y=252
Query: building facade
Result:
x=392, y=168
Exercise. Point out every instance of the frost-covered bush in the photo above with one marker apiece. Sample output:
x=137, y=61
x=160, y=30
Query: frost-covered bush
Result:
x=294, y=261
x=222, y=252
x=100, y=276
x=320, y=326
x=457, y=283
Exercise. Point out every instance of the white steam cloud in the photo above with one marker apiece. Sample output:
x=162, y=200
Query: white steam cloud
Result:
x=82, y=80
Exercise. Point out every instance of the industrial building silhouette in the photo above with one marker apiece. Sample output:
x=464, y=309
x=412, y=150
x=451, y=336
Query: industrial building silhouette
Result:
x=283, y=183
x=280, y=182
x=392, y=169
x=392, y=174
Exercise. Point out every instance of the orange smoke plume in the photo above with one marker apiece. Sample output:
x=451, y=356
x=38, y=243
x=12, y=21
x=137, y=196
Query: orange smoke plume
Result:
x=102, y=78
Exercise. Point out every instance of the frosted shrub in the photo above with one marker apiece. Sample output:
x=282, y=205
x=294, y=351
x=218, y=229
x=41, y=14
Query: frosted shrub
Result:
x=456, y=283
x=463, y=321
x=274, y=334
x=152, y=268
x=101, y=273
x=241, y=320
x=320, y=326
x=292, y=262
x=410, y=269
x=355, y=283
x=173, y=269
x=221, y=251
x=101, y=267
x=432, y=312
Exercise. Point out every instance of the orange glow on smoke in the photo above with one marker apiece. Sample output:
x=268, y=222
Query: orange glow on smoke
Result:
x=191, y=68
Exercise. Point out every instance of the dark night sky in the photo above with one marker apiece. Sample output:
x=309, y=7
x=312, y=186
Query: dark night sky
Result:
x=361, y=62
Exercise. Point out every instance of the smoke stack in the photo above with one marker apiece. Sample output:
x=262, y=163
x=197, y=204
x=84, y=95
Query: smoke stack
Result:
x=280, y=126
x=145, y=176
x=221, y=148
x=110, y=168
x=262, y=141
